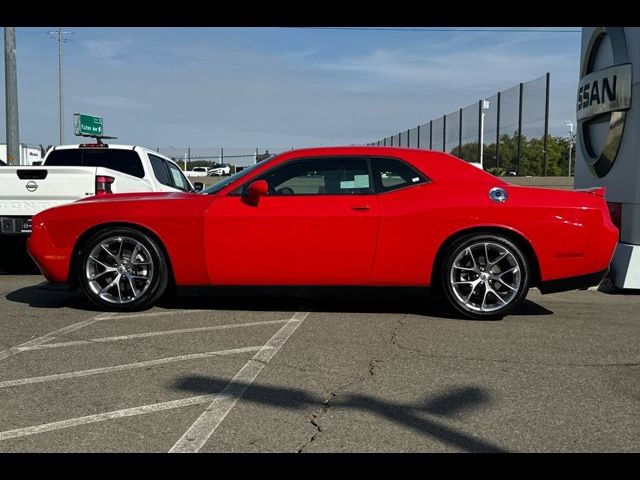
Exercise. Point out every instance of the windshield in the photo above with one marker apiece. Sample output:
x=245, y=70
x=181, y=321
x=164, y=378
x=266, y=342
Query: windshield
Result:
x=220, y=185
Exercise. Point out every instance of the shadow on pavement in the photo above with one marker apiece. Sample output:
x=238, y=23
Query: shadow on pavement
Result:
x=452, y=402
x=37, y=297
x=45, y=296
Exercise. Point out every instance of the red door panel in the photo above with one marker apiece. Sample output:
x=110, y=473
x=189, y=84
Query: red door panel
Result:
x=292, y=240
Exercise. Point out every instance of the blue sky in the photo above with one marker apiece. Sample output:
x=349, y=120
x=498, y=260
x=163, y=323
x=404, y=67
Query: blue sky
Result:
x=276, y=87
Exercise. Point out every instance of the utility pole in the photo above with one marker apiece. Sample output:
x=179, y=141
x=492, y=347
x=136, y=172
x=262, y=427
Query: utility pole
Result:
x=59, y=37
x=11, y=96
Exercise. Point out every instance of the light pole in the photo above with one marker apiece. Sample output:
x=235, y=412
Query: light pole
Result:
x=484, y=106
x=570, y=125
x=59, y=37
x=11, y=96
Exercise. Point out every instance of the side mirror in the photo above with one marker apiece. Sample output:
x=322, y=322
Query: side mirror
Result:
x=198, y=186
x=256, y=190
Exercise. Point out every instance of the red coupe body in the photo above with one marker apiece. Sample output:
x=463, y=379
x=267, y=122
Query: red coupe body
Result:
x=364, y=238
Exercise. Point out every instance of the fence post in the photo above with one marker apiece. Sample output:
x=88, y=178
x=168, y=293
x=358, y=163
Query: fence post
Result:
x=430, y=134
x=444, y=133
x=479, y=127
x=418, y=139
x=546, y=126
x=460, y=133
x=519, y=129
x=498, y=131
x=408, y=138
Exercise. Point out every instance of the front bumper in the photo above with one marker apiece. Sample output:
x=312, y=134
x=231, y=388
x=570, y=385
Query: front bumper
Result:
x=52, y=260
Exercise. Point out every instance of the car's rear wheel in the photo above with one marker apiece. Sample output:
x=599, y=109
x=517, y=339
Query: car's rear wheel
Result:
x=485, y=276
x=122, y=269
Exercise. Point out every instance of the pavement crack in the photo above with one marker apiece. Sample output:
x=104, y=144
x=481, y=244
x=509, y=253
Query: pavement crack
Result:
x=396, y=331
x=373, y=364
x=314, y=419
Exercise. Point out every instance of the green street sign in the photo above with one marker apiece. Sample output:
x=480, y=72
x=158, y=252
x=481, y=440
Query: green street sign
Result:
x=88, y=124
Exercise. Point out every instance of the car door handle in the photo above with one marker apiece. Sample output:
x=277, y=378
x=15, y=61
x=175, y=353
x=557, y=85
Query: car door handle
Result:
x=360, y=207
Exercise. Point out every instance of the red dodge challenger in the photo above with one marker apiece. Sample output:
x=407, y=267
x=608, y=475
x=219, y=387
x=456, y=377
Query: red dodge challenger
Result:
x=344, y=216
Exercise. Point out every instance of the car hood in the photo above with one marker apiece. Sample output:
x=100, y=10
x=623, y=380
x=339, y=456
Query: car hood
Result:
x=138, y=196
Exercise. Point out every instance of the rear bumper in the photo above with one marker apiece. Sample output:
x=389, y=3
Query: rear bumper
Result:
x=573, y=283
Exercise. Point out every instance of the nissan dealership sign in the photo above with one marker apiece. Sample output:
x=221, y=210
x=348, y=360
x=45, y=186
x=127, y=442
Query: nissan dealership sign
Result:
x=604, y=95
x=608, y=127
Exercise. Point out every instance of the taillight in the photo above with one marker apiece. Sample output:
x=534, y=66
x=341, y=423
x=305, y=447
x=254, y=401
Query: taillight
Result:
x=103, y=184
x=615, y=211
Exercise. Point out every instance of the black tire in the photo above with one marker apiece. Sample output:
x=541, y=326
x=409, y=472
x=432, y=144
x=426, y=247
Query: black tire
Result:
x=154, y=269
x=480, y=289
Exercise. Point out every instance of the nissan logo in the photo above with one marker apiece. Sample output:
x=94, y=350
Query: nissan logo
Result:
x=31, y=186
x=602, y=93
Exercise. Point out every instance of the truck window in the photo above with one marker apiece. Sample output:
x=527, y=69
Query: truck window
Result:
x=179, y=181
x=125, y=161
x=160, y=170
x=65, y=158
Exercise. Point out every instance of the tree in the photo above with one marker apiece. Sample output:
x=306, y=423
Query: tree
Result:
x=531, y=160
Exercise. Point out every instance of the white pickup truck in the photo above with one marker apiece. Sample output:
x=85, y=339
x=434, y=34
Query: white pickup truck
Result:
x=71, y=172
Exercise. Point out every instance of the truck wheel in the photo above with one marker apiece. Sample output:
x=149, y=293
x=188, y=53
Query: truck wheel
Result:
x=122, y=269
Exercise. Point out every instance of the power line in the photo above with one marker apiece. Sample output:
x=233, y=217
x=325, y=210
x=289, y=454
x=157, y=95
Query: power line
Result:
x=435, y=29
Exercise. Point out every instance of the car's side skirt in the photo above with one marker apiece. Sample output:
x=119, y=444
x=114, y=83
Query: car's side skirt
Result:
x=333, y=291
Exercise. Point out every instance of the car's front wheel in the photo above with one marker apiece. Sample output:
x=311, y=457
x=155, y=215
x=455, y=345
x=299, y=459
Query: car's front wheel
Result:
x=122, y=269
x=485, y=276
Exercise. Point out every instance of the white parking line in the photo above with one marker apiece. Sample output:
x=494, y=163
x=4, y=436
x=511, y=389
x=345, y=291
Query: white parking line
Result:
x=100, y=417
x=157, y=314
x=202, y=429
x=149, y=334
x=129, y=366
x=50, y=336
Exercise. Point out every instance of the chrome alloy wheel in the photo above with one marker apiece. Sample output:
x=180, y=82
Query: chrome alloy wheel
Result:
x=119, y=269
x=485, y=277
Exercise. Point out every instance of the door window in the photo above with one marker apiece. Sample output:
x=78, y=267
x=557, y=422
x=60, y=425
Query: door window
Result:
x=320, y=176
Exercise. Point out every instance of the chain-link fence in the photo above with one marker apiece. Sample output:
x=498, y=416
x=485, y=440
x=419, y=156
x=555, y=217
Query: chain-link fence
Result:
x=189, y=157
x=507, y=133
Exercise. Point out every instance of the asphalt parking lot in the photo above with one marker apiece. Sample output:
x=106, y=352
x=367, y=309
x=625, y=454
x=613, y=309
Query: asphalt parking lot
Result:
x=248, y=374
